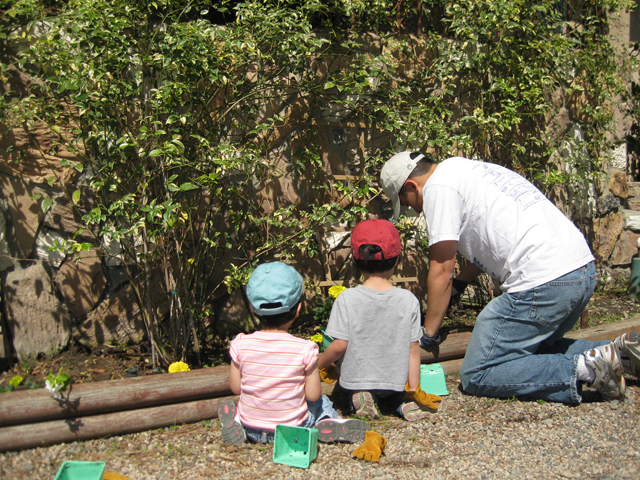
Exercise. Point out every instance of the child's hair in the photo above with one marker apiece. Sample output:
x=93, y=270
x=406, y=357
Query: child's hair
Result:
x=373, y=266
x=275, y=321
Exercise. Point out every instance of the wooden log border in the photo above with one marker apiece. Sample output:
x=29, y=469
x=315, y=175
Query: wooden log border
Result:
x=31, y=418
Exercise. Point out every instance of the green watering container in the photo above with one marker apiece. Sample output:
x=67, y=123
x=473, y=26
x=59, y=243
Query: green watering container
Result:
x=634, y=282
x=326, y=340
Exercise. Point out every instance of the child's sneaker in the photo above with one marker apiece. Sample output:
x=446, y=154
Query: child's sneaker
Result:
x=411, y=412
x=232, y=431
x=628, y=350
x=334, y=429
x=365, y=406
x=605, y=363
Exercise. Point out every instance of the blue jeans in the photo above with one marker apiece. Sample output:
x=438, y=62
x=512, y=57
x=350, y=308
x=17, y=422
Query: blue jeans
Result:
x=517, y=346
x=318, y=410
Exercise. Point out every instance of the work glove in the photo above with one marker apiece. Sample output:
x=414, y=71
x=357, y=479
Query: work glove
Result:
x=427, y=341
x=114, y=476
x=424, y=400
x=329, y=374
x=372, y=447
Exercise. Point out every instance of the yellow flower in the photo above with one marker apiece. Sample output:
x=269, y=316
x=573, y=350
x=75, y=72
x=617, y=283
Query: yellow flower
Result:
x=178, y=367
x=316, y=338
x=336, y=290
x=17, y=380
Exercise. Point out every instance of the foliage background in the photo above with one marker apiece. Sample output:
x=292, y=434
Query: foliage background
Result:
x=195, y=123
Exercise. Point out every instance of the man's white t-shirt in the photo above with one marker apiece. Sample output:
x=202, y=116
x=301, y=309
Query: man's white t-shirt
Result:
x=502, y=222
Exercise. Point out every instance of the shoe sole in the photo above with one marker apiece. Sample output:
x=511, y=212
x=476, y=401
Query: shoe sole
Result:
x=331, y=430
x=442, y=405
x=413, y=413
x=417, y=413
x=232, y=431
x=365, y=406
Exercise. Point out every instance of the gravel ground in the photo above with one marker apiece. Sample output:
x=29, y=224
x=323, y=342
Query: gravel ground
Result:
x=476, y=438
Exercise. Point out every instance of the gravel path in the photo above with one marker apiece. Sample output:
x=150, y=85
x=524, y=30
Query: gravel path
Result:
x=476, y=438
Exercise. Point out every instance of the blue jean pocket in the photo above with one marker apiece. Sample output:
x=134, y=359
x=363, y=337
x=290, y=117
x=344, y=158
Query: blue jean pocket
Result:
x=552, y=303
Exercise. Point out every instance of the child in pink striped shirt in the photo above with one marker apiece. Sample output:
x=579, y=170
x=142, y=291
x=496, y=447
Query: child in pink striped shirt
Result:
x=275, y=373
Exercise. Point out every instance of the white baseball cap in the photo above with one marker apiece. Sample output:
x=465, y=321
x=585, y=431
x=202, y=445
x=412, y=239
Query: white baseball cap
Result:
x=394, y=173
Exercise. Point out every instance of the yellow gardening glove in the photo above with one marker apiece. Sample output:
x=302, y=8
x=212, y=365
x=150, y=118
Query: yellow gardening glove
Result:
x=114, y=476
x=423, y=399
x=372, y=447
x=329, y=374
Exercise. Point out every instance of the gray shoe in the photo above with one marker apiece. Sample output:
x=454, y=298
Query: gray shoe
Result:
x=365, y=405
x=606, y=364
x=347, y=430
x=232, y=431
x=628, y=350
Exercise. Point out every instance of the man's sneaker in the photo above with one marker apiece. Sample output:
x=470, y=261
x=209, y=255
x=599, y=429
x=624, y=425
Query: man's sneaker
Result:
x=411, y=412
x=232, y=431
x=335, y=429
x=365, y=406
x=628, y=350
x=605, y=363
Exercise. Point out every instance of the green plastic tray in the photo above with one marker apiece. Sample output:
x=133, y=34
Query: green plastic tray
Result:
x=295, y=446
x=81, y=471
x=432, y=379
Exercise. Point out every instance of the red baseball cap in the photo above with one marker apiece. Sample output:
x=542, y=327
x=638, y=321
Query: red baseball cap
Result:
x=378, y=232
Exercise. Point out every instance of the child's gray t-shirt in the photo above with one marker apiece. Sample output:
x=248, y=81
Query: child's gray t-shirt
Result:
x=380, y=326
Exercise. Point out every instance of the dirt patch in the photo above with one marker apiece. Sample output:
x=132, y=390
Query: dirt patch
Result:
x=113, y=362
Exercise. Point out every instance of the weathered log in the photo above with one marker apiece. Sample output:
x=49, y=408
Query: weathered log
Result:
x=32, y=435
x=31, y=406
x=452, y=347
x=608, y=331
x=19, y=437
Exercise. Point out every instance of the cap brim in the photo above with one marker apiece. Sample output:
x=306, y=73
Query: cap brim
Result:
x=396, y=207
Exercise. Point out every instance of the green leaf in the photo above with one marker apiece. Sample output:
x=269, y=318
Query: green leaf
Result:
x=155, y=153
x=188, y=186
x=46, y=204
x=76, y=197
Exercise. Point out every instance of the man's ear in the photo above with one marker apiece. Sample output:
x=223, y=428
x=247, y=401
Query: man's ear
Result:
x=411, y=185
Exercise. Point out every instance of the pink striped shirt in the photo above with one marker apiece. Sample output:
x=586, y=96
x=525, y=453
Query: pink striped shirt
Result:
x=273, y=366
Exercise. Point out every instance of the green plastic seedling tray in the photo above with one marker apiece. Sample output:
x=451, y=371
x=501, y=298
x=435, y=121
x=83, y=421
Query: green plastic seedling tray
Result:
x=295, y=446
x=81, y=471
x=432, y=379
